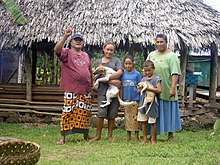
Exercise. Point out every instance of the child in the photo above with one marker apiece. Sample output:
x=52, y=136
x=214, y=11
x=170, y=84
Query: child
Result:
x=130, y=79
x=153, y=109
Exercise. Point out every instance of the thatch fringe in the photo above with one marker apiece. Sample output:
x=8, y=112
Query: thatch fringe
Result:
x=135, y=21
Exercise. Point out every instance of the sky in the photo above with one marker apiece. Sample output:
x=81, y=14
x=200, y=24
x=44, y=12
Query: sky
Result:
x=215, y=4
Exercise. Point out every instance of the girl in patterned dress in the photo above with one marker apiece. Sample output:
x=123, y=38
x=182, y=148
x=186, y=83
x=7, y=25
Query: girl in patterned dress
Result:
x=130, y=79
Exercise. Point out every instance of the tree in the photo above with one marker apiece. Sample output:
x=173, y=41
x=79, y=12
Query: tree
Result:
x=14, y=10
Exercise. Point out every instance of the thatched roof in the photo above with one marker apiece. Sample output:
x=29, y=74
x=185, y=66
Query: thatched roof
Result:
x=135, y=21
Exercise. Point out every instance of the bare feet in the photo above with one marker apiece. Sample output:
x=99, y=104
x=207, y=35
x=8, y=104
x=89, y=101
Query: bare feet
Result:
x=88, y=137
x=61, y=141
x=153, y=139
x=110, y=139
x=136, y=139
x=144, y=141
x=95, y=139
x=127, y=139
x=170, y=138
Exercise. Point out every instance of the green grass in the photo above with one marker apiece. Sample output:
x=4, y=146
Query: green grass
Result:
x=196, y=148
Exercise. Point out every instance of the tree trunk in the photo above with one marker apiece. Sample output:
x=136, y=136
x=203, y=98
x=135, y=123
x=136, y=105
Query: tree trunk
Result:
x=28, y=72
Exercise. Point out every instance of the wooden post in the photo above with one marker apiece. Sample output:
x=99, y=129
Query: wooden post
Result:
x=131, y=50
x=34, y=63
x=213, y=73
x=184, y=54
x=192, y=94
x=28, y=75
x=55, y=74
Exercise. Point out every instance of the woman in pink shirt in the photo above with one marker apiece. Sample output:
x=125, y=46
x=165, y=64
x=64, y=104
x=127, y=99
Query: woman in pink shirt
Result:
x=76, y=82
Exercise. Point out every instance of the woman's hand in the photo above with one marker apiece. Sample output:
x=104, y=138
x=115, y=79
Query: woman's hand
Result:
x=172, y=92
x=116, y=83
x=68, y=31
x=173, y=85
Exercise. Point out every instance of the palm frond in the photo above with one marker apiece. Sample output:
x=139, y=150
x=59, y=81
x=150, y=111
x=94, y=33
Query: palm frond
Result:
x=13, y=9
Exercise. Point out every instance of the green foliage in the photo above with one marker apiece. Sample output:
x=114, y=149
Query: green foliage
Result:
x=217, y=127
x=48, y=70
x=45, y=68
x=188, y=148
x=13, y=9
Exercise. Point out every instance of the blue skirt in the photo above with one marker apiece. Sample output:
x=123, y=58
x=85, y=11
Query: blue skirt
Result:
x=169, y=117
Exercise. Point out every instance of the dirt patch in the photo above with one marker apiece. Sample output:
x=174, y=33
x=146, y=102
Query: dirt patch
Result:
x=21, y=117
x=205, y=120
x=191, y=122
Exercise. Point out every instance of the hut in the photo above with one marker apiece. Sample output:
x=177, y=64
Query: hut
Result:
x=189, y=25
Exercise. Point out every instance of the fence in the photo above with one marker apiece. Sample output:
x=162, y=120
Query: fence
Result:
x=46, y=99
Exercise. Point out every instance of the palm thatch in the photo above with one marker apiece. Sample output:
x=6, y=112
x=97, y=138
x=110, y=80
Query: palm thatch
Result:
x=132, y=21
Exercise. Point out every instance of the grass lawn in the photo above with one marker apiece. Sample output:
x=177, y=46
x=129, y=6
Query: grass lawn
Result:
x=198, y=147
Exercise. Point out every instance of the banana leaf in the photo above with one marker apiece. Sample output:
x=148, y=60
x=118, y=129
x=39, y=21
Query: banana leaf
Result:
x=14, y=10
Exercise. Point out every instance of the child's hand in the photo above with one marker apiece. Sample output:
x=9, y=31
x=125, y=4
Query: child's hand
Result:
x=121, y=108
x=150, y=88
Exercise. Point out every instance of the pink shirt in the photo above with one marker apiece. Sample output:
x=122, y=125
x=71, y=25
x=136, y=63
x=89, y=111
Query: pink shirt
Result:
x=76, y=75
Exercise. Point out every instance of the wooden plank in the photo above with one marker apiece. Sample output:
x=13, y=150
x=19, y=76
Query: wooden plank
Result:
x=4, y=90
x=11, y=96
x=43, y=108
x=212, y=105
x=13, y=99
x=12, y=89
x=41, y=93
x=202, y=87
x=47, y=93
x=46, y=87
x=21, y=101
x=44, y=113
x=202, y=96
x=29, y=111
x=47, y=98
x=193, y=112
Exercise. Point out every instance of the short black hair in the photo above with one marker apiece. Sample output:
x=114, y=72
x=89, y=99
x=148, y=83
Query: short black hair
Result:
x=128, y=56
x=149, y=63
x=160, y=35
